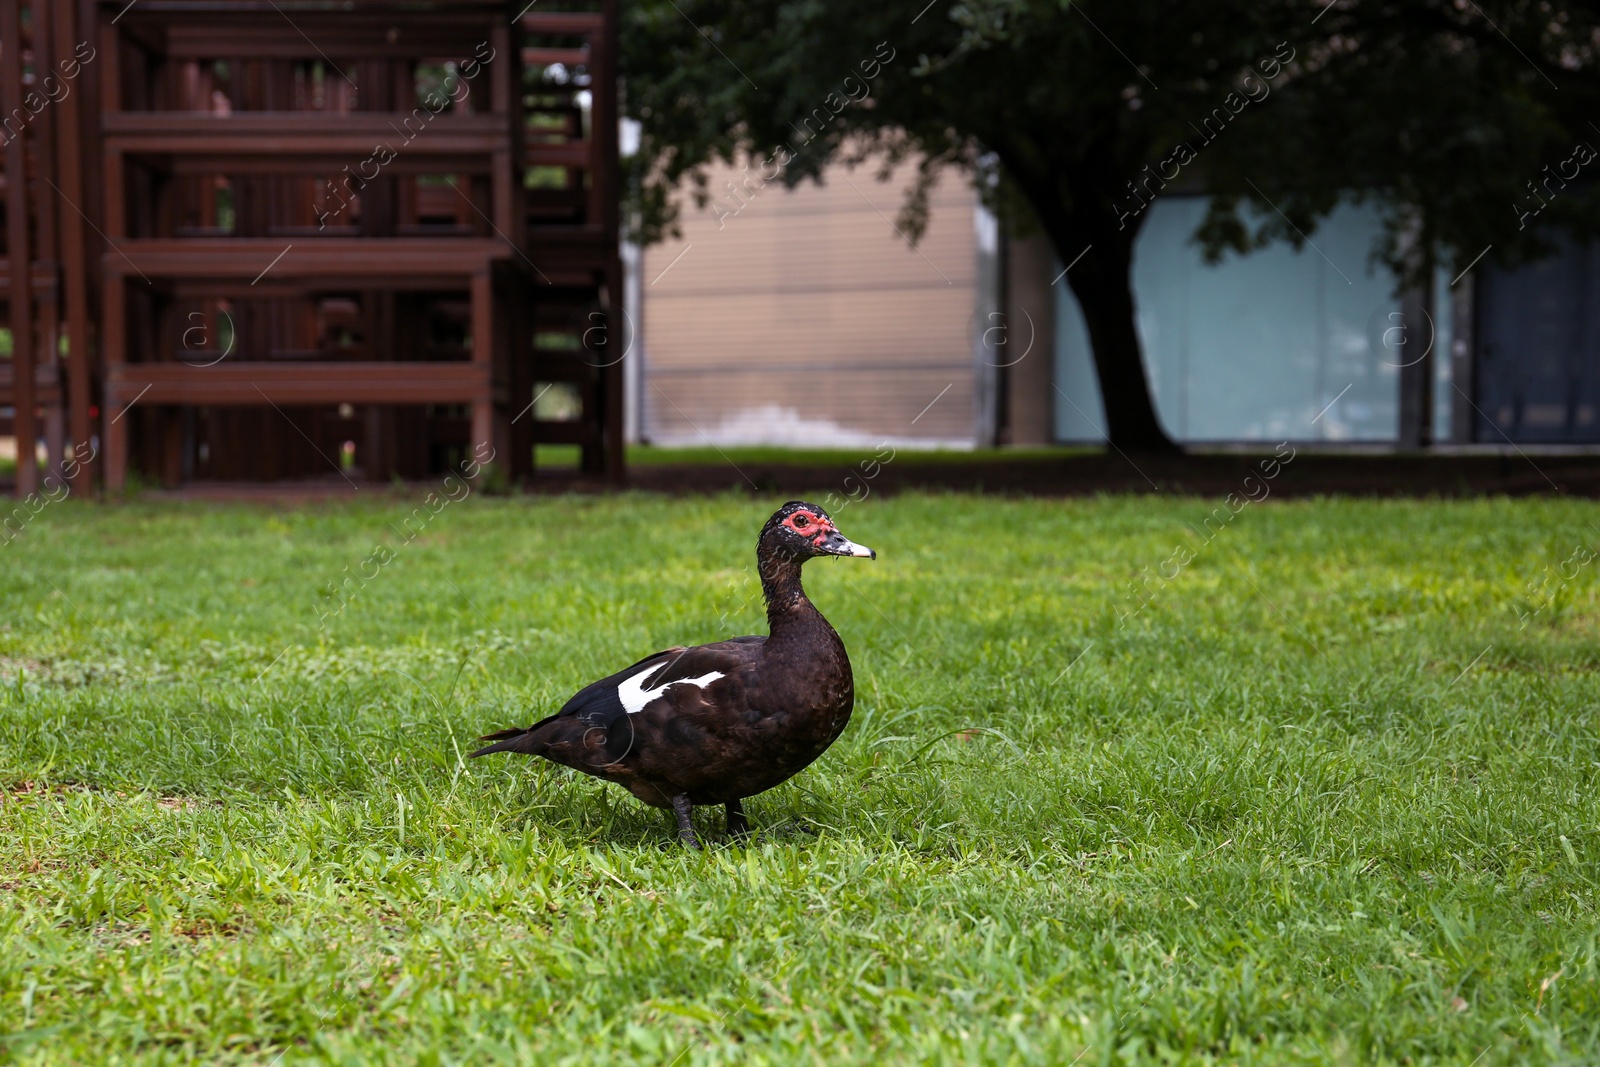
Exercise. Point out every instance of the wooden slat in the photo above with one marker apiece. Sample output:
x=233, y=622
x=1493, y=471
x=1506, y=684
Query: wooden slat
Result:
x=195, y=33
x=46, y=384
x=227, y=7
x=569, y=154
x=45, y=277
x=544, y=57
x=327, y=164
x=334, y=257
x=562, y=22
x=352, y=135
x=258, y=383
x=569, y=247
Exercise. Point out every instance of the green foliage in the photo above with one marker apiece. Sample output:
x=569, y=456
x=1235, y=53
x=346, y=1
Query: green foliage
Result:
x=1447, y=113
x=1325, y=799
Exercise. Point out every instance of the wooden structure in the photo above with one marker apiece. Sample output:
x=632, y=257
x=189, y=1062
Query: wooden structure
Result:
x=314, y=242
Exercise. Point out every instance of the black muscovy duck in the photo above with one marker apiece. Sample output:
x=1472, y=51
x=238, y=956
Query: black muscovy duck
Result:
x=717, y=723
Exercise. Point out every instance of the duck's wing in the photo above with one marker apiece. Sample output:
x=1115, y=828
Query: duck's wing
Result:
x=594, y=713
x=653, y=678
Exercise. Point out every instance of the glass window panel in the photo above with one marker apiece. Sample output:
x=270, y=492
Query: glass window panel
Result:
x=1538, y=350
x=1256, y=347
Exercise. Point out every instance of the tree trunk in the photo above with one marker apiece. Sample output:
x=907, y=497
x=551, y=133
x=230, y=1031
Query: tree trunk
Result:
x=1103, y=283
x=1082, y=221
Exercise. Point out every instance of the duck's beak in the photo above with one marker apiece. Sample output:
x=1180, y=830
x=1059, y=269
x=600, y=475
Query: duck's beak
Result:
x=837, y=544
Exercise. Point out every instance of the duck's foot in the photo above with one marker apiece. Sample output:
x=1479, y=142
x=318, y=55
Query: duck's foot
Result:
x=738, y=825
x=681, y=807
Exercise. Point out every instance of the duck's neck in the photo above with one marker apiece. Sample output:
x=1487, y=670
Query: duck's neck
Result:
x=789, y=610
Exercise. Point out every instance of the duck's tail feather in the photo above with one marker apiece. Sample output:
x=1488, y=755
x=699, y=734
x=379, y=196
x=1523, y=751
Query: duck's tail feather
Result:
x=516, y=739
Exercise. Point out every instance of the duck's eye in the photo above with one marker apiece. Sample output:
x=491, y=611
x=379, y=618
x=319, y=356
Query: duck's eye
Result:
x=801, y=521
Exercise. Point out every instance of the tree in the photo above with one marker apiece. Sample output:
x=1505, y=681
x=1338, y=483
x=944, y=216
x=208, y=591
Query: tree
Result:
x=1443, y=111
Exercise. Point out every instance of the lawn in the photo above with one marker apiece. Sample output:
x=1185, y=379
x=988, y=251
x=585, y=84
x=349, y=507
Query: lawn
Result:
x=1327, y=797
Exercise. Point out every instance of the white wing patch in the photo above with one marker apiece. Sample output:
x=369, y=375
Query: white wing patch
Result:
x=635, y=696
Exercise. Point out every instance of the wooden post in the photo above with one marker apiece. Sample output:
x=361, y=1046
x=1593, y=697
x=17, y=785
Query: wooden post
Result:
x=113, y=334
x=502, y=198
x=483, y=349
x=110, y=59
x=510, y=170
x=604, y=130
x=116, y=194
x=20, y=261
x=519, y=348
x=44, y=19
x=75, y=270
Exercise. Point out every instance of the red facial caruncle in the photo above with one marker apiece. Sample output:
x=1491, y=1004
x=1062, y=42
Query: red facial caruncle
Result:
x=809, y=526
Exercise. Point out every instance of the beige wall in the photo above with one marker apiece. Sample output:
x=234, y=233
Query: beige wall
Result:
x=805, y=319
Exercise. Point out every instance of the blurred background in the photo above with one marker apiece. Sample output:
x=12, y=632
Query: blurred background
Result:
x=325, y=245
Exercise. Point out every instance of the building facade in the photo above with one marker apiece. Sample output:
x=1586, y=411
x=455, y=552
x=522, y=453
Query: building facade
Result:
x=805, y=316
x=1314, y=344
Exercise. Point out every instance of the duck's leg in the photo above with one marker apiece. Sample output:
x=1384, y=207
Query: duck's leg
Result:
x=738, y=825
x=682, y=807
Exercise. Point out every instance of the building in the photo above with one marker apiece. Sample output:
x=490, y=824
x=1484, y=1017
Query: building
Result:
x=1306, y=345
x=803, y=318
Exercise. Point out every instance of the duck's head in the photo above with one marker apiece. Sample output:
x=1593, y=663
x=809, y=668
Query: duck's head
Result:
x=801, y=530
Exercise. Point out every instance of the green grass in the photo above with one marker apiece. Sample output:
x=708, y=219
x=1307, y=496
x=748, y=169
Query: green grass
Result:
x=1324, y=800
x=556, y=456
